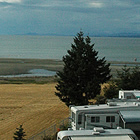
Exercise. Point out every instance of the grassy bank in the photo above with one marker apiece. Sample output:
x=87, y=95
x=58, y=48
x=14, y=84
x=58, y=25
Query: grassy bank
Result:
x=22, y=66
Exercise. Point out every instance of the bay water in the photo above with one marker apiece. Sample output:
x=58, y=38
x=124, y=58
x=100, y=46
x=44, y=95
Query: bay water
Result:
x=55, y=47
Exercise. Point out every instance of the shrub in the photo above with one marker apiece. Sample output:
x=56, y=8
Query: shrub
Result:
x=19, y=134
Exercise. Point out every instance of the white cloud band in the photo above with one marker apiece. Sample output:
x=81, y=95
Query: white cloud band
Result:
x=11, y=1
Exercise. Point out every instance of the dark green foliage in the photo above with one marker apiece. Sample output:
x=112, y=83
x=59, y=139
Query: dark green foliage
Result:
x=129, y=79
x=135, y=78
x=111, y=91
x=82, y=74
x=100, y=99
x=124, y=78
x=19, y=134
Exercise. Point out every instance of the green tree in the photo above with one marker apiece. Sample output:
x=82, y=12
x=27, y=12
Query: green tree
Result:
x=82, y=74
x=135, y=78
x=124, y=77
x=129, y=79
x=19, y=134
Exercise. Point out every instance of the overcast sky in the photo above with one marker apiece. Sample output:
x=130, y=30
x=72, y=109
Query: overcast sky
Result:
x=67, y=17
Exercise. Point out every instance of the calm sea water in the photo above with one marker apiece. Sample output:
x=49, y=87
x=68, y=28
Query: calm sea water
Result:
x=55, y=47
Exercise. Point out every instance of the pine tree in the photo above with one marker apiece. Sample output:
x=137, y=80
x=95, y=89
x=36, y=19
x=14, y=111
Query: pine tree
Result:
x=129, y=79
x=82, y=74
x=19, y=134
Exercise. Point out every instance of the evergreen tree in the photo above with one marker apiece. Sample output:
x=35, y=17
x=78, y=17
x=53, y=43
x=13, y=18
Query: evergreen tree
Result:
x=135, y=78
x=82, y=74
x=129, y=79
x=123, y=81
x=19, y=134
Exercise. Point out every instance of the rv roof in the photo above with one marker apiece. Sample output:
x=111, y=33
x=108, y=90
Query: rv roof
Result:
x=82, y=133
x=130, y=90
x=131, y=116
x=122, y=100
x=137, y=94
x=104, y=106
x=124, y=137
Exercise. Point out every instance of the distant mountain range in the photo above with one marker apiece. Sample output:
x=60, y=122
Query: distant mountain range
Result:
x=96, y=35
x=126, y=35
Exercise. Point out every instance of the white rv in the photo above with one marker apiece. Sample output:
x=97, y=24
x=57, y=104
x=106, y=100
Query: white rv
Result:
x=97, y=134
x=129, y=94
x=109, y=115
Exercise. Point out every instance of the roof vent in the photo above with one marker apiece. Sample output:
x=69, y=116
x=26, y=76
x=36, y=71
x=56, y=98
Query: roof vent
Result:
x=70, y=129
x=85, y=106
x=81, y=128
x=134, y=103
x=112, y=104
x=99, y=129
x=119, y=127
x=125, y=103
x=95, y=133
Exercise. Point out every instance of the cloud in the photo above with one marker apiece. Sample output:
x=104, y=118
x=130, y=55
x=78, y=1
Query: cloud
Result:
x=97, y=5
x=10, y=1
x=68, y=16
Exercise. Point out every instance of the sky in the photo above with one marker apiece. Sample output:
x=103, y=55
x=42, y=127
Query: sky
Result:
x=67, y=17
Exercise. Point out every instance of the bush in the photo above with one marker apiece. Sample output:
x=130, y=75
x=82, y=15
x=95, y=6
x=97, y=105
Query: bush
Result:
x=19, y=134
x=111, y=91
x=100, y=99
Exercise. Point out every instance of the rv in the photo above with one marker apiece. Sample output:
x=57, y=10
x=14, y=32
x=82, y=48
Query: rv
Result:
x=129, y=94
x=110, y=115
x=98, y=133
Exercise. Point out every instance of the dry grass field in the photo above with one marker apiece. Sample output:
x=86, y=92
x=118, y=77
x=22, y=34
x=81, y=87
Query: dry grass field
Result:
x=33, y=105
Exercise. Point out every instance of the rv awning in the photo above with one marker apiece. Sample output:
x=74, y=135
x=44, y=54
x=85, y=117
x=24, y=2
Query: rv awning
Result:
x=130, y=116
x=121, y=137
x=137, y=95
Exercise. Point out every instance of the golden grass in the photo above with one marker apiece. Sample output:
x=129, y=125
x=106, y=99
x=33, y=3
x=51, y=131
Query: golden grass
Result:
x=34, y=106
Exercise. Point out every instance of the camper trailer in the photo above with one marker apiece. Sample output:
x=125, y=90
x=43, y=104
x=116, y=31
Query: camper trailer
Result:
x=129, y=94
x=110, y=115
x=98, y=133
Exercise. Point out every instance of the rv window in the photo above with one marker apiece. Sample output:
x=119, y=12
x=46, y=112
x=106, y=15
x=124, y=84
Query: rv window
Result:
x=73, y=117
x=110, y=119
x=95, y=119
x=79, y=119
x=128, y=97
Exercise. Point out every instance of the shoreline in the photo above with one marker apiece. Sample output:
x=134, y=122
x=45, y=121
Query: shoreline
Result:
x=17, y=66
x=13, y=66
